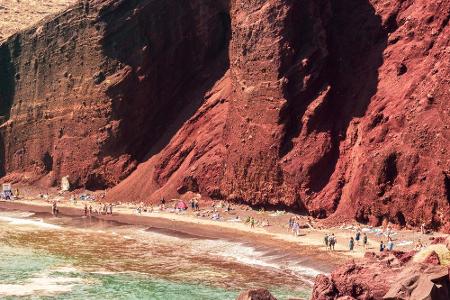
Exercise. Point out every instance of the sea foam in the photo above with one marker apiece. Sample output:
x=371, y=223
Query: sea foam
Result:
x=43, y=285
x=28, y=222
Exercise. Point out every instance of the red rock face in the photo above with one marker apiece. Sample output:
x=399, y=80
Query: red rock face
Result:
x=377, y=279
x=337, y=108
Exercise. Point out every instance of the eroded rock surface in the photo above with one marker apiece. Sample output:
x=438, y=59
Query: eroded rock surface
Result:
x=337, y=108
x=384, y=277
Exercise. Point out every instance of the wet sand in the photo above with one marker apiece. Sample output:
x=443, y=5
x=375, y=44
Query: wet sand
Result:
x=275, y=236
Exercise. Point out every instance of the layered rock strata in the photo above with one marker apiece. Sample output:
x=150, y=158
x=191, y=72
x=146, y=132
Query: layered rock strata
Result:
x=336, y=108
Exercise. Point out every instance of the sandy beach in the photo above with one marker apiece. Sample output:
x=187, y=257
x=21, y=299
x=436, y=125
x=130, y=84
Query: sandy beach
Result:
x=230, y=225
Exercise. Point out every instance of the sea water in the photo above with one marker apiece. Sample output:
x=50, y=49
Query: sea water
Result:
x=42, y=257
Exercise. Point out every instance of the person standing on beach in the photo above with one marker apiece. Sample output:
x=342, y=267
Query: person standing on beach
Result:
x=325, y=239
x=296, y=228
x=55, y=209
x=423, y=229
x=365, y=240
x=381, y=246
x=90, y=210
x=85, y=210
x=332, y=241
x=110, y=209
x=357, y=236
x=252, y=222
x=351, y=244
x=390, y=245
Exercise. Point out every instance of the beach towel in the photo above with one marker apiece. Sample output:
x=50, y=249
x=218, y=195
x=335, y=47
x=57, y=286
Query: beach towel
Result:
x=404, y=243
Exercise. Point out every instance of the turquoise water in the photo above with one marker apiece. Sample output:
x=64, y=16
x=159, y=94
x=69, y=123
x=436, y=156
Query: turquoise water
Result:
x=73, y=259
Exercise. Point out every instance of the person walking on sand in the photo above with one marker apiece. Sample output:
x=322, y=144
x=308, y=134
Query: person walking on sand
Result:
x=365, y=240
x=381, y=246
x=357, y=236
x=54, y=208
x=325, y=239
x=351, y=244
x=85, y=210
x=90, y=210
x=252, y=222
x=290, y=224
x=110, y=209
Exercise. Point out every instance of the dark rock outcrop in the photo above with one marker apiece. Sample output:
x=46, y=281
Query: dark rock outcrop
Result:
x=256, y=294
x=336, y=108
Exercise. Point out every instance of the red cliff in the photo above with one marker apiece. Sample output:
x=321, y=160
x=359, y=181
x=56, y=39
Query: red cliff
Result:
x=385, y=277
x=337, y=108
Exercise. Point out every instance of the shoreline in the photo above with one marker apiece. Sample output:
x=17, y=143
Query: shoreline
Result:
x=185, y=222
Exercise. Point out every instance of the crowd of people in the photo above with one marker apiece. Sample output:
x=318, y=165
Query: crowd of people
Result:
x=9, y=194
x=102, y=209
x=220, y=209
x=330, y=241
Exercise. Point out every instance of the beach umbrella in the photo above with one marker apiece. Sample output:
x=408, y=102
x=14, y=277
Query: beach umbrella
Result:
x=181, y=205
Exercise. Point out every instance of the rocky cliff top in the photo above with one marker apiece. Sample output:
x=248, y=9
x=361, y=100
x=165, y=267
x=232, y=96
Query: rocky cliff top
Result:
x=16, y=15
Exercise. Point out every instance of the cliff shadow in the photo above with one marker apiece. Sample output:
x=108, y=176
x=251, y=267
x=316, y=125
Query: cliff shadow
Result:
x=348, y=75
x=174, y=52
x=7, y=90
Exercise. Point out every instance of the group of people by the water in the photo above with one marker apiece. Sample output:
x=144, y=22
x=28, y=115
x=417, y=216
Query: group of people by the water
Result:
x=9, y=194
x=254, y=222
x=330, y=240
x=358, y=238
x=102, y=209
